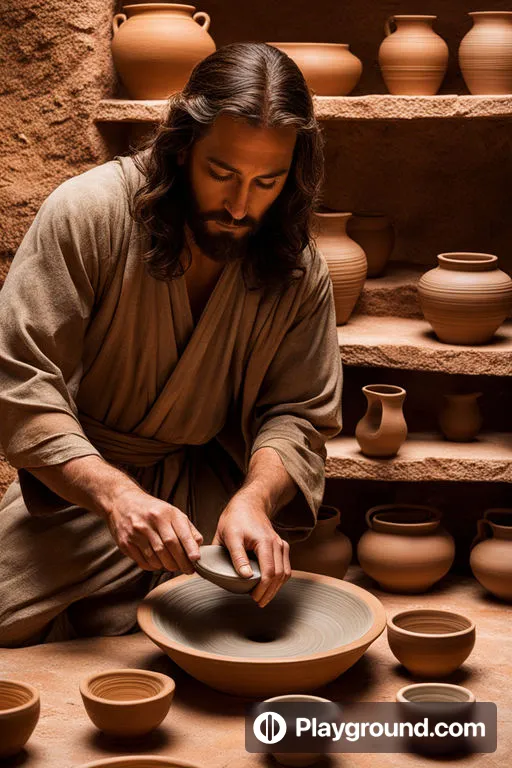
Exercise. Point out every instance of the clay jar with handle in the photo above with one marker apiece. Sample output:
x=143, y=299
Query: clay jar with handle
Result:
x=375, y=234
x=466, y=298
x=485, y=53
x=491, y=553
x=326, y=550
x=413, y=59
x=405, y=549
x=460, y=418
x=157, y=45
x=346, y=261
x=383, y=428
x=329, y=69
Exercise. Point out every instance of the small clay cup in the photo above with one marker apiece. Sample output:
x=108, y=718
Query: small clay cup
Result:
x=127, y=702
x=216, y=566
x=297, y=759
x=19, y=713
x=431, y=643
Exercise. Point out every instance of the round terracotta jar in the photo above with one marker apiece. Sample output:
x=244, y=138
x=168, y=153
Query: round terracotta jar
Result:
x=466, y=298
x=405, y=549
x=329, y=69
x=376, y=236
x=491, y=553
x=157, y=45
x=460, y=418
x=485, y=53
x=326, y=550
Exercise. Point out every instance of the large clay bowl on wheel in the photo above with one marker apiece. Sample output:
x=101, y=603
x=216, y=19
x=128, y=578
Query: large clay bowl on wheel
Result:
x=313, y=630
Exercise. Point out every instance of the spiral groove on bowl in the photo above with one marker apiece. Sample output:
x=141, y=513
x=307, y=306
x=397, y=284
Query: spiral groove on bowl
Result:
x=432, y=622
x=121, y=687
x=434, y=692
x=13, y=695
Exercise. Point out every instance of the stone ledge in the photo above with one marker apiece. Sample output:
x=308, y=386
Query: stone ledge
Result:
x=426, y=458
x=393, y=294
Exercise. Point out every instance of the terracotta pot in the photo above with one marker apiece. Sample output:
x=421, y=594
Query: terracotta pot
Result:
x=383, y=429
x=297, y=759
x=326, y=550
x=329, y=69
x=157, y=45
x=485, y=53
x=314, y=629
x=491, y=553
x=140, y=761
x=19, y=713
x=405, y=549
x=460, y=418
x=127, y=702
x=376, y=236
x=413, y=59
x=346, y=261
x=466, y=298
x=431, y=643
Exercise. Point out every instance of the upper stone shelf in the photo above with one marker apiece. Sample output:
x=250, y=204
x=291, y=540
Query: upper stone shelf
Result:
x=372, y=107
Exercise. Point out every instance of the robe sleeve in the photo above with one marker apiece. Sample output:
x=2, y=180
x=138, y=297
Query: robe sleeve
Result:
x=299, y=402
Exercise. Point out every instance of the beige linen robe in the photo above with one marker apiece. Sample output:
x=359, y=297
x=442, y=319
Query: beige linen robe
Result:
x=99, y=358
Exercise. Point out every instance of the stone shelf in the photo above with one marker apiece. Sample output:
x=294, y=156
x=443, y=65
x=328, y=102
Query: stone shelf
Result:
x=371, y=107
x=394, y=294
x=426, y=458
x=410, y=344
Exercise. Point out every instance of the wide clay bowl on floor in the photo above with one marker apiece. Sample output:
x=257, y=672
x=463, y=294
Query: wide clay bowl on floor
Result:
x=127, y=702
x=19, y=713
x=216, y=566
x=313, y=630
x=431, y=643
x=140, y=761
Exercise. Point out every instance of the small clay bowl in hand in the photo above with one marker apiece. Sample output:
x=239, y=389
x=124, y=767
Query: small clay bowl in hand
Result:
x=19, y=713
x=216, y=566
x=127, y=702
x=431, y=643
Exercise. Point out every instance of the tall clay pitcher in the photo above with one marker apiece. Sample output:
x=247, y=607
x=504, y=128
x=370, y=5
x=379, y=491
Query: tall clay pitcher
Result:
x=491, y=553
x=383, y=428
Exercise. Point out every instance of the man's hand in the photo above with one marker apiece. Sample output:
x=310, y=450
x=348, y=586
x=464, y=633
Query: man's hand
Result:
x=245, y=525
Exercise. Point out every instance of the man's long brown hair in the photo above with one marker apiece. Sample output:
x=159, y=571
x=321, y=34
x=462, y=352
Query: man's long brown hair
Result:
x=257, y=83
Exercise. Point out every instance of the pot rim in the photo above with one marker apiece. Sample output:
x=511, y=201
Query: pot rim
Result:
x=303, y=696
x=430, y=635
x=393, y=390
x=168, y=686
x=373, y=512
x=135, y=760
x=413, y=16
x=332, y=214
x=401, y=694
x=160, y=6
x=34, y=697
x=467, y=257
x=490, y=13
x=311, y=45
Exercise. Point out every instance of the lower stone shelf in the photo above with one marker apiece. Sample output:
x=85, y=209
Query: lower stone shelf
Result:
x=426, y=457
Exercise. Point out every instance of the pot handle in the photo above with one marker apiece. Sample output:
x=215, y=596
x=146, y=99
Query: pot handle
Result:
x=387, y=26
x=370, y=515
x=484, y=529
x=117, y=21
x=201, y=15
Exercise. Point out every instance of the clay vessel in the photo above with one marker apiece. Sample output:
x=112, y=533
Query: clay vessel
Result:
x=157, y=45
x=127, y=702
x=297, y=759
x=329, y=69
x=216, y=566
x=431, y=643
x=491, y=553
x=413, y=58
x=485, y=53
x=466, y=298
x=326, y=550
x=383, y=428
x=140, y=761
x=346, y=261
x=405, y=549
x=19, y=713
x=314, y=629
x=376, y=236
x=460, y=418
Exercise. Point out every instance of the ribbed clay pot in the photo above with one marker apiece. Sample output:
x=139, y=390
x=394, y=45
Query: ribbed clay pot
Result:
x=326, y=550
x=460, y=418
x=329, y=69
x=485, y=53
x=491, y=553
x=346, y=261
x=466, y=298
x=405, y=548
x=383, y=428
x=19, y=713
x=413, y=59
x=376, y=236
x=157, y=45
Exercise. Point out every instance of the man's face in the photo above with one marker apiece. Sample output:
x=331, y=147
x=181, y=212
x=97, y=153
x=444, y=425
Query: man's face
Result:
x=234, y=174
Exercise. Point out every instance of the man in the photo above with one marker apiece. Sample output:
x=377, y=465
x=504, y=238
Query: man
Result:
x=169, y=367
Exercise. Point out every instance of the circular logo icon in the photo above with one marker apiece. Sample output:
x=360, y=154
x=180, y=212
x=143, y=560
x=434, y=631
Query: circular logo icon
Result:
x=269, y=727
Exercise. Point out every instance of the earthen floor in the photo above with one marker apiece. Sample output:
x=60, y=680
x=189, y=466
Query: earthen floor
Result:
x=207, y=727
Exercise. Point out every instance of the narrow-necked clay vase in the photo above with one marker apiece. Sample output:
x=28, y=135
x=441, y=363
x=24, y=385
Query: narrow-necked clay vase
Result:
x=326, y=550
x=19, y=713
x=299, y=759
x=491, y=553
x=329, y=69
x=157, y=45
x=346, y=261
x=405, y=548
x=466, y=298
x=376, y=236
x=413, y=58
x=383, y=428
x=460, y=418
x=485, y=53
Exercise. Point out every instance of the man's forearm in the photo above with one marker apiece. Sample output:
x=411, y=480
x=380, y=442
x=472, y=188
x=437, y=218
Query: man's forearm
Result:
x=269, y=481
